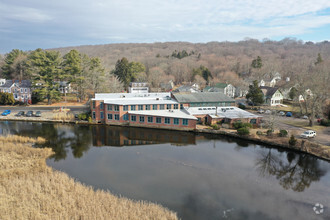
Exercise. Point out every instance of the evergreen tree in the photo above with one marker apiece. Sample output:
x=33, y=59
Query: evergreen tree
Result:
x=203, y=72
x=257, y=63
x=255, y=94
x=15, y=65
x=318, y=59
x=127, y=71
x=46, y=68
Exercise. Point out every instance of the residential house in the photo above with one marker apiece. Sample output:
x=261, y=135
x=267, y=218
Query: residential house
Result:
x=272, y=95
x=21, y=89
x=225, y=88
x=167, y=87
x=270, y=79
x=65, y=87
x=138, y=87
x=187, y=88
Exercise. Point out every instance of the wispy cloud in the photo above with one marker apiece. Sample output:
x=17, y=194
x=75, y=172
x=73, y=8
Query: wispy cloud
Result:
x=106, y=21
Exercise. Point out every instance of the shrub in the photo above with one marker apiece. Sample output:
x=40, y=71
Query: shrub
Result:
x=292, y=141
x=241, y=106
x=84, y=116
x=270, y=132
x=325, y=122
x=283, y=133
x=259, y=133
x=215, y=127
x=239, y=124
x=243, y=131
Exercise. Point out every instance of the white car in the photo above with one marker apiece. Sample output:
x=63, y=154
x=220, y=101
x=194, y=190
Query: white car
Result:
x=308, y=134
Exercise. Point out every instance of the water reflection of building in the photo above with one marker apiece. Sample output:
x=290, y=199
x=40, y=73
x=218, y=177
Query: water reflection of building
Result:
x=126, y=136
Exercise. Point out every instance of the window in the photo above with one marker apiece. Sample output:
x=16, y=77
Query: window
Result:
x=184, y=121
x=147, y=107
x=93, y=115
x=117, y=108
x=158, y=120
x=109, y=116
x=93, y=104
x=161, y=107
x=154, y=107
x=176, y=106
x=176, y=121
x=133, y=107
x=168, y=106
x=101, y=115
x=167, y=121
x=125, y=108
x=109, y=107
x=181, y=106
x=133, y=117
x=253, y=121
x=101, y=105
x=141, y=118
x=21, y=90
x=150, y=119
x=25, y=90
x=140, y=107
x=117, y=117
x=125, y=117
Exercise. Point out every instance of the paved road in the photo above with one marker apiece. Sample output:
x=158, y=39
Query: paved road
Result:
x=41, y=108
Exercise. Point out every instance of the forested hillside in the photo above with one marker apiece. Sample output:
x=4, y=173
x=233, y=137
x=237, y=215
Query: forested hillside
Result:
x=227, y=61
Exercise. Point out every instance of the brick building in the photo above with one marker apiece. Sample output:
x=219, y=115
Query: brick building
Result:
x=177, y=111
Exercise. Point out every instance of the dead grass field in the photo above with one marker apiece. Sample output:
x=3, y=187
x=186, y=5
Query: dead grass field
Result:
x=29, y=189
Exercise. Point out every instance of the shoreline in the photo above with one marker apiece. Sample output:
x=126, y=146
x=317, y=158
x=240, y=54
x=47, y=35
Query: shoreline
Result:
x=304, y=146
x=31, y=189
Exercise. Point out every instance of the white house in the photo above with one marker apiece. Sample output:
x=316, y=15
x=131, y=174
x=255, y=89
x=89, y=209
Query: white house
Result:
x=272, y=95
x=138, y=87
x=227, y=89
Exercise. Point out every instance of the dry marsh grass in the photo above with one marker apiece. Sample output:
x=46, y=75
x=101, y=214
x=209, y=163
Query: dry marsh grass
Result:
x=29, y=189
x=63, y=116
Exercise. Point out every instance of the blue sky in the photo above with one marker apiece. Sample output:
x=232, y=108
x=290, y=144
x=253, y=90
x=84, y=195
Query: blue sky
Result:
x=32, y=24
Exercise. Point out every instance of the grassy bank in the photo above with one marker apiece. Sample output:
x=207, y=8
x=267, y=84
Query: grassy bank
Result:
x=29, y=189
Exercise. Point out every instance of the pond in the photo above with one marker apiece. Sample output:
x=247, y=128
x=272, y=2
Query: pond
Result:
x=197, y=176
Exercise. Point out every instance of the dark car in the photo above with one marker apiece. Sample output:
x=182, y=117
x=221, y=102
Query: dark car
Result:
x=288, y=114
x=6, y=112
x=20, y=113
x=29, y=114
x=38, y=114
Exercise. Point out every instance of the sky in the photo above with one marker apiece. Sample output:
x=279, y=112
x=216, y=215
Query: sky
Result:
x=31, y=24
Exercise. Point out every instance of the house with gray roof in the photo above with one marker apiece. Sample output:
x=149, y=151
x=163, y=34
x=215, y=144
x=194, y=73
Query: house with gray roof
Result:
x=21, y=89
x=272, y=95
x=227, y=89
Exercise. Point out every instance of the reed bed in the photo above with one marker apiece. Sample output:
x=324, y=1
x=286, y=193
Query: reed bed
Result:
x=29, y=189
x=63, y=116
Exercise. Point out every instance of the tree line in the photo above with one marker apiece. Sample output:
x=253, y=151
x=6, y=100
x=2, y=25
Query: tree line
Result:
x=46, y=69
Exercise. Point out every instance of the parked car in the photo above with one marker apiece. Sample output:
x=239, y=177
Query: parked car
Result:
x=260, y=111
x=281, y=113
x=20, y=113
x=29, y=114
x=6, y=112
x=288, y=114
x=268, y=112
x=308, y=134
x=38, y=114
x=304, y=117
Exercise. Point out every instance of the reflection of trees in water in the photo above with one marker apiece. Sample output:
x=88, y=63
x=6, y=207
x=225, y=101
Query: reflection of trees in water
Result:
x=296, y=171
x=60, y=137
